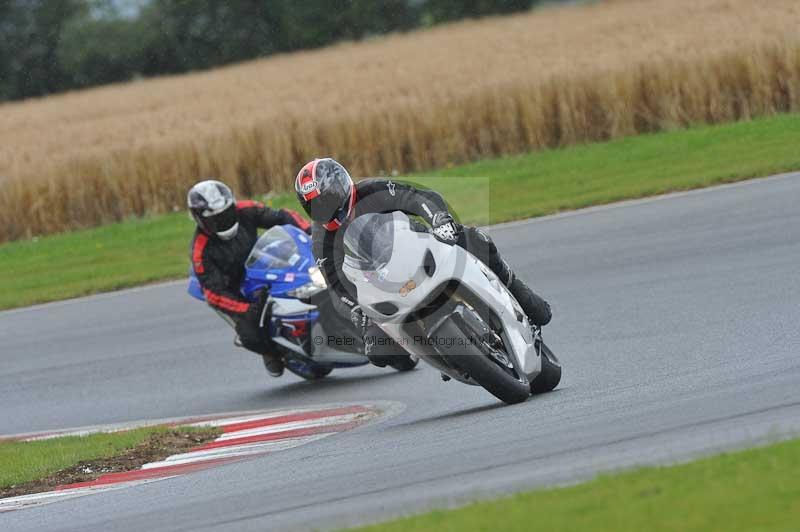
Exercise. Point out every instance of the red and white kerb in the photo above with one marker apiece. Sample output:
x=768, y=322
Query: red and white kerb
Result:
x=244, y=435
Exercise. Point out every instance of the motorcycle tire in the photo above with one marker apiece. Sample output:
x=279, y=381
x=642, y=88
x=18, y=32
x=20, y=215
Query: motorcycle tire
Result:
x=550, y=375
x=313, y=374
x=479, y=366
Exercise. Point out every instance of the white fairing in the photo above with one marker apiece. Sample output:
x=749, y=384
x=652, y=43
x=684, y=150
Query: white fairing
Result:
x=403, y=282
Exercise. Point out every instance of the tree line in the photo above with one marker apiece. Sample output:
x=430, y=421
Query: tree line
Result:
x=48, y=46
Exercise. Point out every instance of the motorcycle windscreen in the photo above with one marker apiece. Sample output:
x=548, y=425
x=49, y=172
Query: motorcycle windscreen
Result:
x=276, y=249
x=369, y=242
x=385, y=252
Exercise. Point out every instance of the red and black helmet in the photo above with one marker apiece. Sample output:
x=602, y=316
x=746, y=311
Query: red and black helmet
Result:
x=326, y=192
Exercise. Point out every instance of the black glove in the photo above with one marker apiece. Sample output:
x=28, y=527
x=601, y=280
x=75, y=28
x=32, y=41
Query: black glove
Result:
x=445, y=229
x=256, y=309
x=359, y=319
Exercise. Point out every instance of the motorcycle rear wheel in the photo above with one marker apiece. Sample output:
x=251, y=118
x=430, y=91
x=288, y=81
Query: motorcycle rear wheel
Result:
x=550, y=375
x=315, y=374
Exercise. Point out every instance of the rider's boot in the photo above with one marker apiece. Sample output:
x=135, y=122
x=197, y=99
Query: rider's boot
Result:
x=274, y=364
x=536, y=308
x=375, y=358
x=388, y=354
x=482, y=246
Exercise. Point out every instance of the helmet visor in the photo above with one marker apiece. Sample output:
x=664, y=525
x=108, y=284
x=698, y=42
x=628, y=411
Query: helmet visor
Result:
x=221, y=221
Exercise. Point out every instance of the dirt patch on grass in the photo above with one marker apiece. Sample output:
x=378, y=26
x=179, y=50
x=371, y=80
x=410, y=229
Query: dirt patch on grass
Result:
x=156, y=447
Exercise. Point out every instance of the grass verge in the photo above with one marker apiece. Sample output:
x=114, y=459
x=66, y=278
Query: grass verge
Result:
x=757, y=489
x=32, y=466
x=141, y=251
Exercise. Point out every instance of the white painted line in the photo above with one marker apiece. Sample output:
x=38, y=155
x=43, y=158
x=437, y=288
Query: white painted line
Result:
x=36, y=499
x=223, y=422
x=201, y=420
x=236, y=450
x=293, y=425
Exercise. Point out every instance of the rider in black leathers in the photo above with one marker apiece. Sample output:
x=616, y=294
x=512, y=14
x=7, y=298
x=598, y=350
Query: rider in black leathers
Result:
x=332, y=200
x=226, y=232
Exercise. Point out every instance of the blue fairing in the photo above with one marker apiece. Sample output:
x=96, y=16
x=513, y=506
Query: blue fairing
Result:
x=280, y=261
x=269, y=271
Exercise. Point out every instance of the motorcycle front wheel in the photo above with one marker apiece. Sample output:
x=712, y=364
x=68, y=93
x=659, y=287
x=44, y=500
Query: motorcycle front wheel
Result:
x=481, y=367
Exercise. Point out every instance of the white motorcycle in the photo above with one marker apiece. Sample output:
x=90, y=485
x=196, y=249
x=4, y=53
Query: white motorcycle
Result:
x=446, y=307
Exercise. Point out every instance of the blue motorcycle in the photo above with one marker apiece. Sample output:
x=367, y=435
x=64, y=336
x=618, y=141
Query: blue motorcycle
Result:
x=311, y=336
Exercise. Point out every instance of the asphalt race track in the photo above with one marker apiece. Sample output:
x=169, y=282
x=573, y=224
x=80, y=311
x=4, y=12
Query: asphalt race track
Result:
x=676, y=320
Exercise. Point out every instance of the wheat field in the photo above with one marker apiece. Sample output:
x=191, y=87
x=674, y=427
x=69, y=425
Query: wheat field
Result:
x=426, y=99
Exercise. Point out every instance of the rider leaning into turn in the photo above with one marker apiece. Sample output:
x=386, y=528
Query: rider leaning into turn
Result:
x=226, y=232
x=327, y=193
